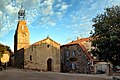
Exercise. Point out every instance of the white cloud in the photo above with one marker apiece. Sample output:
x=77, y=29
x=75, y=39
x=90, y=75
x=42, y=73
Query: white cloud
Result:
x=46, y=7
x=84, y=17
x=3, y=4
x=42, y=19
x=37, y=12
x=57, y=6
x=36, y=1
x=59, y=14
x=20, y=1
x=74, y=18
x=48, y=21
x=64, y=6
x=47, y=10
x=111, y=2
x=95, y=6
x=69, y=38
x=82, y=25
x=11, y=9
x=1, y=13
x=59, y=0
x=52, y=23
x=85, y=24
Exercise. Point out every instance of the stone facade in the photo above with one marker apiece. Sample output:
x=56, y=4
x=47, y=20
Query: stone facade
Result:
x=43, y=55
x=21, y=37
x=75, y=57
x=19, y=58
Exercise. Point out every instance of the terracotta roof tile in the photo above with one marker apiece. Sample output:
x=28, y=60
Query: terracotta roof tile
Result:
x=81, y=40
x=44, y=40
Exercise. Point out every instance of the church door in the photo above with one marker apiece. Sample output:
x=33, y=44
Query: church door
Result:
x=49, y=64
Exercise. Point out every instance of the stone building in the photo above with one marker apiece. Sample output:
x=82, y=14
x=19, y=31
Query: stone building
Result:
x=75, y=56
x=43, y=55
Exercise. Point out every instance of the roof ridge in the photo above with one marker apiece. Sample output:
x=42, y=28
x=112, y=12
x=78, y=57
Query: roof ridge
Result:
x=44, y=40
x=79, y=40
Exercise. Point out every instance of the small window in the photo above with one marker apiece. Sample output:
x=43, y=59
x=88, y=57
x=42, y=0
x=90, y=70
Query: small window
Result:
x=30, y=58
x=73, y=65
x=79, y=53
x=32, y=48
x=67, y=46
x=73, y=53
x=67, y=63
x=67, y=53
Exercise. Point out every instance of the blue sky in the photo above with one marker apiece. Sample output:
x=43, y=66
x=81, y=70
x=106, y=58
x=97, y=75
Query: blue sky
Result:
x=62, y=20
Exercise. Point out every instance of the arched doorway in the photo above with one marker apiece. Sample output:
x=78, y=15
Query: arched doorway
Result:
x=49, y=64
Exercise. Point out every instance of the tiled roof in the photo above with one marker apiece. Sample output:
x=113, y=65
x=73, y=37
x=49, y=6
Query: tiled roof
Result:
x=81, y=40
x=45, y=40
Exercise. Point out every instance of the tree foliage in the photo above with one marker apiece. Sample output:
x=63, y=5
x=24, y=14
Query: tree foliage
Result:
x=4, y=48
x=106, y=38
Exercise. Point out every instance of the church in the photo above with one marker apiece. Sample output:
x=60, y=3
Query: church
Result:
x=43, y=55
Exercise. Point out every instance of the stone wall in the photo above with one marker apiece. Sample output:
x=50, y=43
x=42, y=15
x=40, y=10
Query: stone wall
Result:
x=37, y=55
x=21, y=37
x=19, y=59
x=74, y=59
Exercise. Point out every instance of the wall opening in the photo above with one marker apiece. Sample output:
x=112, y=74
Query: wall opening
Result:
x=30, y=58
x=48, y=46
x=49, y=64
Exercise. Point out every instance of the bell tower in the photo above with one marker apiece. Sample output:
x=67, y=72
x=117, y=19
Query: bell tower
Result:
x=21, y=37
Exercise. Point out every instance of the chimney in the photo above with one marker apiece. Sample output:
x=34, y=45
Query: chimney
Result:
x=78, y=38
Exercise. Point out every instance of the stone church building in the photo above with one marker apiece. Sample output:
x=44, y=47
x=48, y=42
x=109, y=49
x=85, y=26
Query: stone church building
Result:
x=43, y=55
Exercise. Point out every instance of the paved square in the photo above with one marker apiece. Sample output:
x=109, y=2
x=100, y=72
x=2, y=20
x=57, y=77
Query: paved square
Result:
x=17, y=74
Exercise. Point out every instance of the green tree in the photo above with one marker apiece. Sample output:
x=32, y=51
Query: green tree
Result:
x=106, y=36
x=4, y=48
